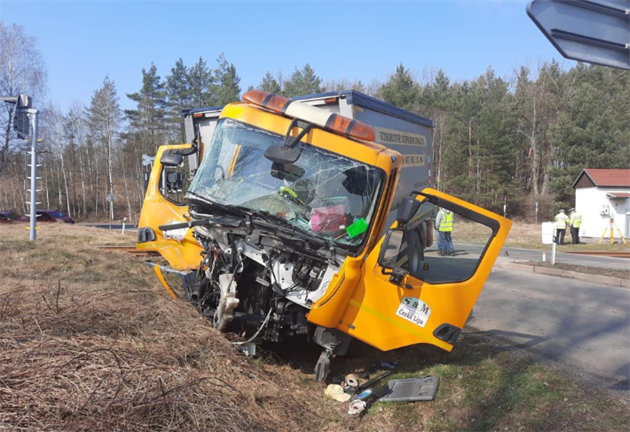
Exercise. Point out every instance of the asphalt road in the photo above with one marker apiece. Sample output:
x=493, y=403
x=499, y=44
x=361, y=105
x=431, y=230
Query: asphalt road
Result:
x=581, y=324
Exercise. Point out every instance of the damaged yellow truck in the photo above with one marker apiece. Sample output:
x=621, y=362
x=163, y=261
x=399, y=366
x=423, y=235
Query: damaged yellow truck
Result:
x=315, y=217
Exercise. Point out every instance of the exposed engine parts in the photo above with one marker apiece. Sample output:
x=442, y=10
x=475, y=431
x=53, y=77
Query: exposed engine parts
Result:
x=254, y=284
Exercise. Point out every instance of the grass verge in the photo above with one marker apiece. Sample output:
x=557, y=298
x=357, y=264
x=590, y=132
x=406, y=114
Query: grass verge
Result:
x=89, y=341
x=623, y=274
x=527, y=235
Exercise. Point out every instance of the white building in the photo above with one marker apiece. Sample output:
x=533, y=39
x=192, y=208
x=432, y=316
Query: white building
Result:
x=602, y=194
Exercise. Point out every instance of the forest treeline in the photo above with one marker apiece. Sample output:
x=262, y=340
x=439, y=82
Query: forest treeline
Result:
x=512, y=141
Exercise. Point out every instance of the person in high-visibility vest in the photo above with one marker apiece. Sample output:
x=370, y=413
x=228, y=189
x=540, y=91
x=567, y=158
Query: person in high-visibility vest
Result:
x=444, y=226
x=575, y=221
x=561, y=226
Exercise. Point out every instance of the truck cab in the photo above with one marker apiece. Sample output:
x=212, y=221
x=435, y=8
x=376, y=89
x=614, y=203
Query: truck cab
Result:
x=296, y=222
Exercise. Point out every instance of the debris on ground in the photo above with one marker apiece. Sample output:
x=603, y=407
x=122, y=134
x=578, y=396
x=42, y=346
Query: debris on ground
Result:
x=335, y=391
x=360, y=387
x=412, y=389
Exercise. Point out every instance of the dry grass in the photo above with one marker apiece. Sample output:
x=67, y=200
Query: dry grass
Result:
x=528, y=235
x=90, y=341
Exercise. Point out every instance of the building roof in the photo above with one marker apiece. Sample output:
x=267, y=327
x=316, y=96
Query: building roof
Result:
x=618, y=195
x=606, y=177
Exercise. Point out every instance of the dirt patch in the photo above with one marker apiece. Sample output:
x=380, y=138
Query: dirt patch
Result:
x=90, y=341
x=622, y=274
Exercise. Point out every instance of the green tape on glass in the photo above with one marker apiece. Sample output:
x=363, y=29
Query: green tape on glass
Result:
x=358, y=227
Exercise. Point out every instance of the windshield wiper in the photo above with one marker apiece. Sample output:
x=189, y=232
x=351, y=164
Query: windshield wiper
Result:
x=226, y=209
x=272, y=218
x=271, y=221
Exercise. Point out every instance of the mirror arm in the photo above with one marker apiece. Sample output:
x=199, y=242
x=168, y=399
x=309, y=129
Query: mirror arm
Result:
x=398, y=276
x=431, y=198
x=290, y=141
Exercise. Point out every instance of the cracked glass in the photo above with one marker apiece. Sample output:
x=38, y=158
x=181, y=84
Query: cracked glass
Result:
x=322, y=193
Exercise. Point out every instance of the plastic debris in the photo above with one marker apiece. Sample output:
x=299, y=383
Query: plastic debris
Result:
x=335, y=391
x=351, y=380
x=357, y=407
x=358, y=227
x=412, y=389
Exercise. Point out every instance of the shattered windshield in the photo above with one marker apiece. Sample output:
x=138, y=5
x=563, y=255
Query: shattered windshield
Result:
x=322, y=193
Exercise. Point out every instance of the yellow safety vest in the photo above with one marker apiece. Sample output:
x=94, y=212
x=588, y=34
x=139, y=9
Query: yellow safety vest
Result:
x=561, y=221
x=576, y=220
x=446, y=223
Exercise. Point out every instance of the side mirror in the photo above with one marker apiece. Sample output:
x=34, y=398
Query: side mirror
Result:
x=171, y=159
x=282, y=155
x=174, y=181
x=390, y=249
x=408, y=208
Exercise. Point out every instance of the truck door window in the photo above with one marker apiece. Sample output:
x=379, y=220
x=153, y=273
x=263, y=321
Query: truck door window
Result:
x=443, y=261
x=174, y=182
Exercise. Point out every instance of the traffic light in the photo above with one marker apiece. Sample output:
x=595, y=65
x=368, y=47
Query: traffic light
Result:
x=20, y=118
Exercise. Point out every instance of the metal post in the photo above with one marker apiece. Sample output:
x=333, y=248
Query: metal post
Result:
x=553, y=254
x=123, y=226
x=33, y=115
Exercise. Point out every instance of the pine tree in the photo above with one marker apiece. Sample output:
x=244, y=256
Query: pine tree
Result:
x=178, y=98
x=401, y=89
x=201, y=85
x=436, y=103
x=147, y=121
x=227, y=82
x=303, y=82
x=344, y=84
x=592, y=129
x=270, y=84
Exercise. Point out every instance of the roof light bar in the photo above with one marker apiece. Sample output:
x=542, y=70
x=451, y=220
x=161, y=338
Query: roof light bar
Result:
x=327, y=120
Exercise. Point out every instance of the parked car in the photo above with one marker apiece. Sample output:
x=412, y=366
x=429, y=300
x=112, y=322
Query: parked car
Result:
x=49, y=216
x=6, y=217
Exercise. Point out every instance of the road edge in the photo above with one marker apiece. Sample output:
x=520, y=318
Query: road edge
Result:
x=605, y=280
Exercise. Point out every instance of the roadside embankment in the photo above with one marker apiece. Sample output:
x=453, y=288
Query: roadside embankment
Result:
x=613, y=277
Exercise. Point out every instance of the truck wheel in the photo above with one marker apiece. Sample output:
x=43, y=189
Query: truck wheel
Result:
x=323, y=366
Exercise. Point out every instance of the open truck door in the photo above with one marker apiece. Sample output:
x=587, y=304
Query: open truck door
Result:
x=164, y=205
x=408, y=292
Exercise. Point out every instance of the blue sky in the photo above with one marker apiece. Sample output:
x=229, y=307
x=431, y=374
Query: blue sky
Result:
x=84, y=41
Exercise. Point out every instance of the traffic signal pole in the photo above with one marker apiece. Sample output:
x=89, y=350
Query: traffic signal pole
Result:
x=24, y=111
x=32, y=113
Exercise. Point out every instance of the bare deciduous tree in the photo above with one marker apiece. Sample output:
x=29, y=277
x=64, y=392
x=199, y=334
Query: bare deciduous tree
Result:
x=104, y=117
x=22, y=70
